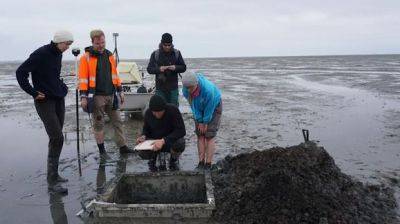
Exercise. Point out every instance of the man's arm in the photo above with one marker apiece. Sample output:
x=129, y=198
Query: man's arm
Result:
x=179, y=129
x=146, y=131
x=115, y=71
x=152, y=67
x=83, y=75
x=180, y=66
x=23, y=71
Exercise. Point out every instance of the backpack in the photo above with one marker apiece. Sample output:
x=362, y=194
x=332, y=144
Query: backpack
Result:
x=157, y=55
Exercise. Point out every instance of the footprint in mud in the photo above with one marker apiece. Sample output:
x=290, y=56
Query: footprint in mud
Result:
x=392, y=178
x=67, y=161
x=87, y=155
x=26, y=196
x=66, y=167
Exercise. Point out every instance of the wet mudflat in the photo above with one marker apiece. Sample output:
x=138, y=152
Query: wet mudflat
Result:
x=350, y=104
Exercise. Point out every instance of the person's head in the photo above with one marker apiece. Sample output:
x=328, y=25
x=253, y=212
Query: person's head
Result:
x=98, y=40
x=190, y=81
x=166, y=42
x=63, y=39
x=157, y=106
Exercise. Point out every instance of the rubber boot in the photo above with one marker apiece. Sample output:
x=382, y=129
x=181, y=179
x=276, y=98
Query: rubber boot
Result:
x=207, y=166
x=59, y=178
x=54, y=155
x=152, y=163
x=104, y=157
x=173, y=162
x=125, y=149
x=200, y=166
x=52, y=176
x=163, y=164
x=103, y=153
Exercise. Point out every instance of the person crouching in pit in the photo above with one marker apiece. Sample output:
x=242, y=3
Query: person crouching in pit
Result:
x=164, y=123
x=205, y=101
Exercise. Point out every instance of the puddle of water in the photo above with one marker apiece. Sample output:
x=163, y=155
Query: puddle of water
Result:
x=354, y=131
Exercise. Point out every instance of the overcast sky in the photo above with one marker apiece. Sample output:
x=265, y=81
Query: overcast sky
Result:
x=205, y=28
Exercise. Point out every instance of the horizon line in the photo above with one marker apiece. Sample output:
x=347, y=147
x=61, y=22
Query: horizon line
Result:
x=223, y=57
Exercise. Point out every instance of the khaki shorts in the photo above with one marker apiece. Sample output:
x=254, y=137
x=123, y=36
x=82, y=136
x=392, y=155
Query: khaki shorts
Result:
x=214, y=124
x=103, y=105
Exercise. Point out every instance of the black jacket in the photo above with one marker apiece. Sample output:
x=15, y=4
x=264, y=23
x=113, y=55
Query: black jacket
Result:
x=170, y=126
x=44, y=64
x=170, y=82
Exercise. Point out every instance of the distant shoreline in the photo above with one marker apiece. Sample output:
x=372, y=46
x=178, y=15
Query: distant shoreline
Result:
x=288, y=56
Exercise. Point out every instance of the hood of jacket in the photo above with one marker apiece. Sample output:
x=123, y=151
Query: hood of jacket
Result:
x=95, y=53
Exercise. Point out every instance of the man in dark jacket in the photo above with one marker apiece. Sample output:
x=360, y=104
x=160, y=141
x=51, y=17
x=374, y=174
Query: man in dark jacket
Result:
x=49, y=91
x=163, y=122
x=166, y=63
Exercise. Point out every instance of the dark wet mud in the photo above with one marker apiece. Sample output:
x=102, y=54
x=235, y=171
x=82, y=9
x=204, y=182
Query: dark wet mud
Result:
x=298, y=184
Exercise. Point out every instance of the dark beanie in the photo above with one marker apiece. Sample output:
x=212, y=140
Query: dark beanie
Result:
x=166, y=38
x=157, y=103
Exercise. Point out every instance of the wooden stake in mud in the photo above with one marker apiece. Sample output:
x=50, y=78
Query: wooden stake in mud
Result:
x=76, y=52
x=306, y=135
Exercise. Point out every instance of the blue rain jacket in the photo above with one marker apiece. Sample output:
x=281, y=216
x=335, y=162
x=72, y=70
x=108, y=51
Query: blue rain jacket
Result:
x=204, y=104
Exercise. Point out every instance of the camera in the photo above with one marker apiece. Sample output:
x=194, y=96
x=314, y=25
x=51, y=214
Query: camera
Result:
x=76, y=51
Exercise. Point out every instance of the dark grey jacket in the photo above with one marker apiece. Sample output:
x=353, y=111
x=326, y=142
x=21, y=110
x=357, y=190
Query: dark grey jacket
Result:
x=168, y=80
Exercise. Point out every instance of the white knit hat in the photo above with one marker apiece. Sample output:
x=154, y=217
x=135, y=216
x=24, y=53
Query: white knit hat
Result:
x=62, y=36
x=189, y=79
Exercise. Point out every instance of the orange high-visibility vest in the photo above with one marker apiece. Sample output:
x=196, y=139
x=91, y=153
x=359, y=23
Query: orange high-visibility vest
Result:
x=87, y=72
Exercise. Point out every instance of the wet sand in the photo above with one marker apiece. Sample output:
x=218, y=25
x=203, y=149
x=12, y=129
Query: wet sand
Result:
x=350, y=104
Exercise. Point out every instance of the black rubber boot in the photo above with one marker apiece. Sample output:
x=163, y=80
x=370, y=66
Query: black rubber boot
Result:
x=104, y=157
x=153, y=162
x=52, y=175
x=173, y=163
x=57, y=188
x=152, y=165
x=61, y=179
x=200, y=166
x=58, y=177
x=125, y=149
x=161, y=159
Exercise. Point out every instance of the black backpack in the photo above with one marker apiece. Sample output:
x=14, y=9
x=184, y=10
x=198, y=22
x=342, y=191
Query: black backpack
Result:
x=157, y=55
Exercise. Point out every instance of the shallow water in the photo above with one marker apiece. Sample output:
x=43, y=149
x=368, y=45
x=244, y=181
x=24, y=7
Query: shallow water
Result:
x=350, y=104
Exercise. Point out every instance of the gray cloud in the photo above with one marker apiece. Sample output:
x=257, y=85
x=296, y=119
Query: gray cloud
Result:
x=208, y=28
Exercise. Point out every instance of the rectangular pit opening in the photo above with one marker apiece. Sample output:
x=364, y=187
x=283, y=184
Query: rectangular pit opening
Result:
x=160, y=189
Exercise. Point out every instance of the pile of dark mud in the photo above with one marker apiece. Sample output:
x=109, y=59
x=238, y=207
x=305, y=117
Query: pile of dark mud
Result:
x=299, y=184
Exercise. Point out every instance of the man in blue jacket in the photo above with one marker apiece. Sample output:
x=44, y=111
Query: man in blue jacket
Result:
x=48, y=92
x=205, y=101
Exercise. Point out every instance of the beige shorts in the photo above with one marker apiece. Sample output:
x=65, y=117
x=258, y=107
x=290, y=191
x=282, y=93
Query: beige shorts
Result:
x=103, y=105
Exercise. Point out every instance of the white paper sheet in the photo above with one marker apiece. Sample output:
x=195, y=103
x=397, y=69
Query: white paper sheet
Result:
x=146, y=145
